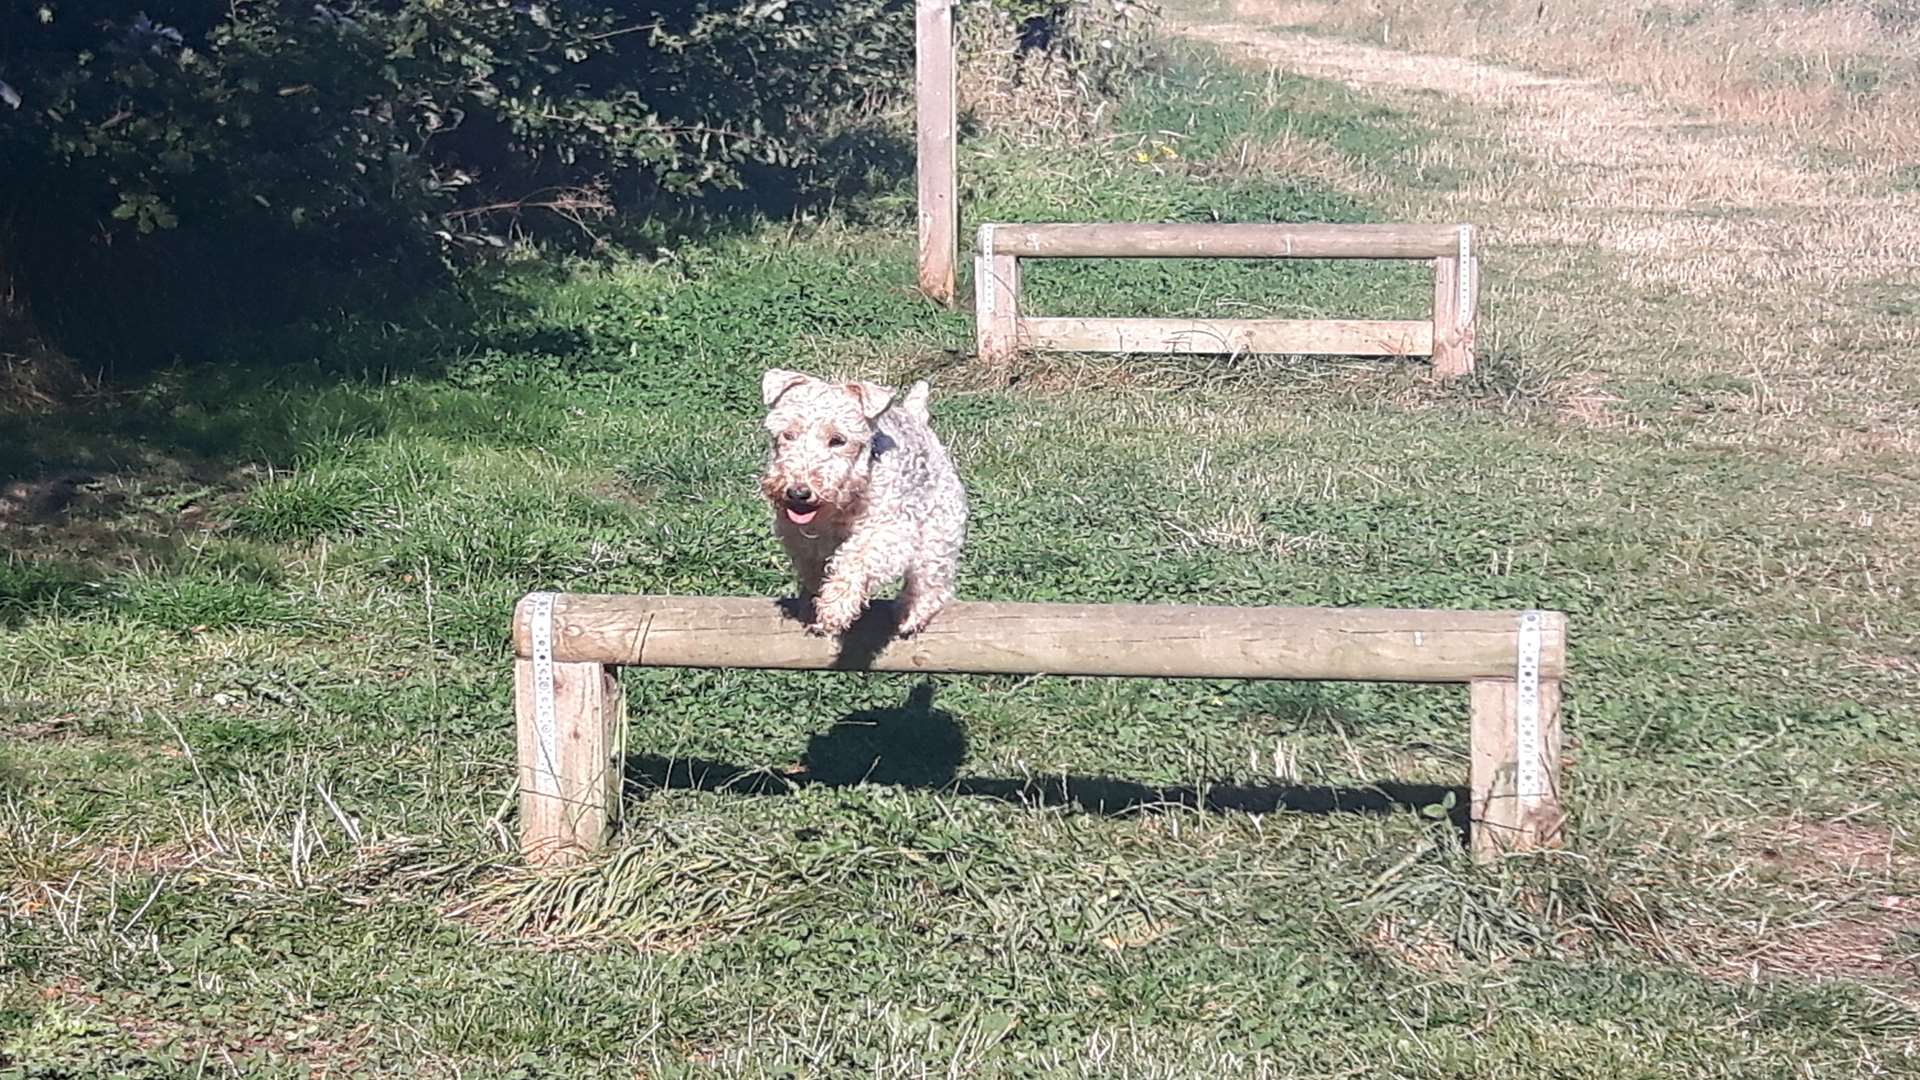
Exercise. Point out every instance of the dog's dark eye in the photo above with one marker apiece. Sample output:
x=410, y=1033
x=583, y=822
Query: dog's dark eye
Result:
x=836, y=442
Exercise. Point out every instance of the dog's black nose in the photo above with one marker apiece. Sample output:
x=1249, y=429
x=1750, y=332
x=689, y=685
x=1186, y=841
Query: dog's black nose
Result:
x=800, y=493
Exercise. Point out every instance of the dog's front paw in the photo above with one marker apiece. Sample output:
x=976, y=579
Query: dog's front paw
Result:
x=831, y=620
x=832, y=623
x=836, y=609
x=920, y=612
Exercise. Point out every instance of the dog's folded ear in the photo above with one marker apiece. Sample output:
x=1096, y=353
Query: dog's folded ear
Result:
x=874, y=398
x=914, y=402
x=777, y=382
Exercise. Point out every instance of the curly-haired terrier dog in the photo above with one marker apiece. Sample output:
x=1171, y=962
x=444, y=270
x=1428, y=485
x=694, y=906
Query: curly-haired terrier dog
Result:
x=863, y=493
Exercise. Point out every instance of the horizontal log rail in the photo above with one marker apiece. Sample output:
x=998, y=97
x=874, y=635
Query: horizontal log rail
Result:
x=1142, y=640
x=1128, y=240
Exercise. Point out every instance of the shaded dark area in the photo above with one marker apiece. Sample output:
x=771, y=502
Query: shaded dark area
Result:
x=914, y=745
x=1036, y=32
x=922, y=747
x=207, y=181
x=198, y=431
x=266, y=299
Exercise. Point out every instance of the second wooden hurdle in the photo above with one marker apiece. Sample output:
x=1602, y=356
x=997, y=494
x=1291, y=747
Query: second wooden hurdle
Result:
x=1002, y=329
x=572, y=714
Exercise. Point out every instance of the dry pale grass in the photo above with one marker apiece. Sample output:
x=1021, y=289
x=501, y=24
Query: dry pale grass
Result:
x=1029, y=99
x=1046, y=97
x=1580, y=164
x=1852, y=882
x=1288, y=155
x=34, y=378
x=1592, y=201
x=1413, y=943
x=1842, y=75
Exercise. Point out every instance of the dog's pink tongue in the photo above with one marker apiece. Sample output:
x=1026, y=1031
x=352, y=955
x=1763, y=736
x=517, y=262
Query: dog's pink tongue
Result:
x=799, y=517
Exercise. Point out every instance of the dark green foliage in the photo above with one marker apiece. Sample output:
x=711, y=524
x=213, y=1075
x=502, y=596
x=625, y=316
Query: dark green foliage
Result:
x=307, y=114
x=198, y=160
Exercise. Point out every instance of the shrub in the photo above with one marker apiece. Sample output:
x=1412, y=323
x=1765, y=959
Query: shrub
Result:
x=175, y=152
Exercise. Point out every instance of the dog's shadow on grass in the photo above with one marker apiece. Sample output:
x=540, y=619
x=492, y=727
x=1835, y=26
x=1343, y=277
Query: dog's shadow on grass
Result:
x=920, y=746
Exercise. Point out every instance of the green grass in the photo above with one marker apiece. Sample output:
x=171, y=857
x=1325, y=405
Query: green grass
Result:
x=256, y=785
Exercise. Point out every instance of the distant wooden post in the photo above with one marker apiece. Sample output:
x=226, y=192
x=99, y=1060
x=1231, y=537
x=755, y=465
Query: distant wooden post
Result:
x=1456, y=279
x=937, y=123
x=996, y=289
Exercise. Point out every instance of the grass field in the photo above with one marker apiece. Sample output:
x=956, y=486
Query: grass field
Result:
x=256, y=777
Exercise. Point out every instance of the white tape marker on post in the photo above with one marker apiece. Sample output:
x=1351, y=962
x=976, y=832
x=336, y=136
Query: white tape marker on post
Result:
x=543, y=709
x=1531, y=772
x=987, y=297
x=1464, y=284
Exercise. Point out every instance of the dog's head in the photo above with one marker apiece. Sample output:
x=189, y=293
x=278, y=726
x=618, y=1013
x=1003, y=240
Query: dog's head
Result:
x=821, y=451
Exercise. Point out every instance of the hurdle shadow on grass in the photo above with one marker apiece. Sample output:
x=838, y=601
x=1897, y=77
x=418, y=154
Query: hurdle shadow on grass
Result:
x=920, y=747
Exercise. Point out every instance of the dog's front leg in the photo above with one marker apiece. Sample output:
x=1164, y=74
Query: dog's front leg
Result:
x=863, y=564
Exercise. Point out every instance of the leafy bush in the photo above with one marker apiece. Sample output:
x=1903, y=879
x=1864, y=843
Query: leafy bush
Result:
x=149, y=146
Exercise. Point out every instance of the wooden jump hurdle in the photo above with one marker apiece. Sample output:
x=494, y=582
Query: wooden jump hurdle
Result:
x=1001, y=329
x=571, y=714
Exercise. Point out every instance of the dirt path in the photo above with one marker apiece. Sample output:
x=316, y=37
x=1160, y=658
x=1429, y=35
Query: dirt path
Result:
x=1603, y=208
x=1707, y=284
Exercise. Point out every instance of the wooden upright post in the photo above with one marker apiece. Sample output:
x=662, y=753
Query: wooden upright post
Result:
x=1455, y=285
x=570, y=771
x=1503, y=817
x=996, y=301
x=937, y=123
